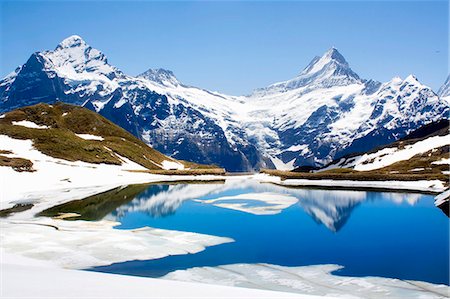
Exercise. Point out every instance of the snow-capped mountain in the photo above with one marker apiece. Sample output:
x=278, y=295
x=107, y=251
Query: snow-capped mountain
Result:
x=76, y=73
x=330, y=70
x=335, y=112
x=325, y=112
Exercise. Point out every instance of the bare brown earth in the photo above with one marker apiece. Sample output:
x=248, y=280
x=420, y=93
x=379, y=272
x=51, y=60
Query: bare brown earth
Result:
x=18, y=164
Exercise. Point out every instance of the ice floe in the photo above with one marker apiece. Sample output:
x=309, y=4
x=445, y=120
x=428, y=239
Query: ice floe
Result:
x=82, y=244
x=311, y=280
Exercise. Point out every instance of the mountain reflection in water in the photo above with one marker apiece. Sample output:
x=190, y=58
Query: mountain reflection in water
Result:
x=385, y=234
x=331, y=208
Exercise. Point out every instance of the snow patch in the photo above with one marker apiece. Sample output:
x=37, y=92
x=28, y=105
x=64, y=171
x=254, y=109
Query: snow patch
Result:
x=280, y=165
x=171, y=165
x=28, y=124
x=441, y=162
x=90, y=137
x=441, y=198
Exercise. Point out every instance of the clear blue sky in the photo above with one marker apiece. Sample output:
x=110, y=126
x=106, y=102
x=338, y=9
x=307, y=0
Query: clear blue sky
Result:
x=235, y=47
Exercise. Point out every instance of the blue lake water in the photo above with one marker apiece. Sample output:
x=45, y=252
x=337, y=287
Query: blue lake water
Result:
x=396, y=235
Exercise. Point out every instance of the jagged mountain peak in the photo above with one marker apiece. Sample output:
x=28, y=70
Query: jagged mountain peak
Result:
x=71, y=42
x=73, y=54
x=409, y=80
x=330, y=58
x=160, y=76
x=334, y=53
x=329, y=70
x=412, y=78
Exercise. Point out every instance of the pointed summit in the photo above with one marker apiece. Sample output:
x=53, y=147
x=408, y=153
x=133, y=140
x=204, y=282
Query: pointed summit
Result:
x=326, y=71
x=71, y=42
x=160, y=76
x=74, y=55
x=331, y=59
x=334, y=54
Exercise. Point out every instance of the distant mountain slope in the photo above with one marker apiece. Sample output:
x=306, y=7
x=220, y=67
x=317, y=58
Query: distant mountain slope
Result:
x=326, y=112
x=77, y=134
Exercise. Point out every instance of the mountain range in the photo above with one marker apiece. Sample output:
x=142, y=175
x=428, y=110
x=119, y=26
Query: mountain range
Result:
x=324, y=113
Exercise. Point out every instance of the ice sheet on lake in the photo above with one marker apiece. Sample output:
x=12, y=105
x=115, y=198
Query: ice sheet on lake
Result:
x=311, y=280
x=84, y=244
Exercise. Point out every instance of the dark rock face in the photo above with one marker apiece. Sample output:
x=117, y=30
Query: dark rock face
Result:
x=31, y=85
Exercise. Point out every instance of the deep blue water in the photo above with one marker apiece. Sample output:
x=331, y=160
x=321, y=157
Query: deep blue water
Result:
x=394, y=235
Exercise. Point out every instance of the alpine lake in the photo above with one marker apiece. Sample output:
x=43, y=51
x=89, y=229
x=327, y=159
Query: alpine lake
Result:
x=369, y=233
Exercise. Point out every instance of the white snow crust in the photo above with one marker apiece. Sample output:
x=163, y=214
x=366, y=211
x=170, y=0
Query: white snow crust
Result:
x=28, y=124
x=90, y=137
x=311, y=280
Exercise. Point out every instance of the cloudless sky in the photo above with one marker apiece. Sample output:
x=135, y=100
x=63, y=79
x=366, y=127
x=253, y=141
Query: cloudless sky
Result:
x=235, y=47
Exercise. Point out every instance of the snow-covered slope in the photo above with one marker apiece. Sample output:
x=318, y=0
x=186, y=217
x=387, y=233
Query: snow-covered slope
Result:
x=390, y=155
x=325, y=112
x=431, y=151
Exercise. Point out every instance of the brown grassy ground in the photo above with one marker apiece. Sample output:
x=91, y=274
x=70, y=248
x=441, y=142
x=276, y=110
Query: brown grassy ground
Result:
x=60, y=141
x=18, y=164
